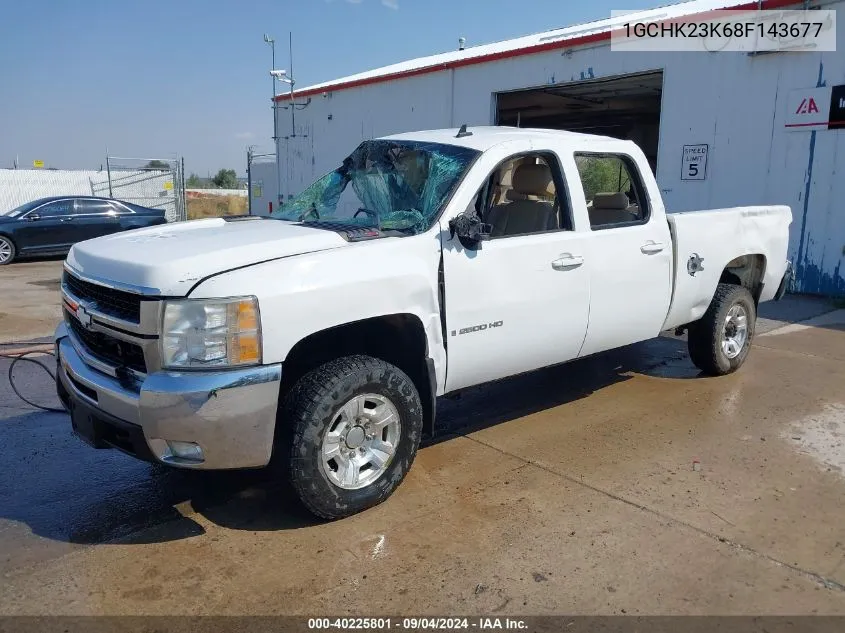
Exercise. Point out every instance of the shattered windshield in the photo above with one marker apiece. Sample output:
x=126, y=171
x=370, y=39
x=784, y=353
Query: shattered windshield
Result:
x=389, y=185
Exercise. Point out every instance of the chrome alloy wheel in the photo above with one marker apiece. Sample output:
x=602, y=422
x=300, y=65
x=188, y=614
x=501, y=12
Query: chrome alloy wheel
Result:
x=361, y=441
x=735, y=333
x=5, y=250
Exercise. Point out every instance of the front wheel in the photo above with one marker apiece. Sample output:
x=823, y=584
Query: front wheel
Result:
x=7, y=250
x=719, y=343
x=355, y=427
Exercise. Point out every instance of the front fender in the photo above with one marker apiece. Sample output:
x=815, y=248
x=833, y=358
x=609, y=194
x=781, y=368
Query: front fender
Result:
x=304, y=294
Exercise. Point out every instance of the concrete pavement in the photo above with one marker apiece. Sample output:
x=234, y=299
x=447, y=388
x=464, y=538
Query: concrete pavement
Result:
x=31, y=306
x=569, y=490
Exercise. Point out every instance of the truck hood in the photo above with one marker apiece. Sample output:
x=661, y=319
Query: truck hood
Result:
x=170, y=259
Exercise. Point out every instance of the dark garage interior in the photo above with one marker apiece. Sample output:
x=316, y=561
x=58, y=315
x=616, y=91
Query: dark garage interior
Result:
x=625, y=106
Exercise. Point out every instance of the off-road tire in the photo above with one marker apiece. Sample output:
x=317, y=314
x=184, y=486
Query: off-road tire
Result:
x=308, y=412
x=705, y=335
x=11, y=245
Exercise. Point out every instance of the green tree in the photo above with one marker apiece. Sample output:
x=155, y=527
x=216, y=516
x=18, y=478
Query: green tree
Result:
x=194, y=182
x=225, y=179
x=157, y=164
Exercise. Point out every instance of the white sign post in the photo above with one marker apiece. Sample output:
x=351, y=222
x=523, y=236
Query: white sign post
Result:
x=694, y=163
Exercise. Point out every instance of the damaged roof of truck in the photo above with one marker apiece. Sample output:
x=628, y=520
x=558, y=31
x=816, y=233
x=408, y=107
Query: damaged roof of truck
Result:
x=483, y=138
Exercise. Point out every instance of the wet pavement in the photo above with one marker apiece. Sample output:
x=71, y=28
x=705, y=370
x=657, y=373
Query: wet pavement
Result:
x=624, y=483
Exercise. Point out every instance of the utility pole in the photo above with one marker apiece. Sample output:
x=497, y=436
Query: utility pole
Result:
x=280, y=197
x=249, y=151
x=286, y=77
x=292, y=105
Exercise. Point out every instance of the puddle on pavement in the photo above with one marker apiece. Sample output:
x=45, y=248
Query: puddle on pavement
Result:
x=678, y=367
x=46, y=283
x=822, y=436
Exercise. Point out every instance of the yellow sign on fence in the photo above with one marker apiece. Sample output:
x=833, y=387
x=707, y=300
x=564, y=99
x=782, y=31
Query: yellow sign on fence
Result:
x=168, y=185
x=38, y=164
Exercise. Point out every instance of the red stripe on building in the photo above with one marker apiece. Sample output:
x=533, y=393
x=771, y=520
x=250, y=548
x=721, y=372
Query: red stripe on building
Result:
x=517, y=52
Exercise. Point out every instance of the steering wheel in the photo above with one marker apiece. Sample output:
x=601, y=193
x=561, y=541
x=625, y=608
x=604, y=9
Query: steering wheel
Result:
x=372, y=214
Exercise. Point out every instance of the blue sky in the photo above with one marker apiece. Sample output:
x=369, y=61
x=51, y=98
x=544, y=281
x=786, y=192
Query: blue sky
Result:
x=190, y=77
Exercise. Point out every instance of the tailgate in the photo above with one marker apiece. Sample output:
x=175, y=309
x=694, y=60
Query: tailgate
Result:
x=716, y=237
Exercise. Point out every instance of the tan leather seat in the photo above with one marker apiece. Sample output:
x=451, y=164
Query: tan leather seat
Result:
x=528, y=210
x=610, y=208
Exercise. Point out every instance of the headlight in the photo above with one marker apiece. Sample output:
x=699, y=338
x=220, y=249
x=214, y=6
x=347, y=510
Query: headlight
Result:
x=211, y=333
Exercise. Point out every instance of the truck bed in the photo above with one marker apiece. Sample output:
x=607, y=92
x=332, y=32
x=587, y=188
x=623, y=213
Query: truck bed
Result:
x=751, y=240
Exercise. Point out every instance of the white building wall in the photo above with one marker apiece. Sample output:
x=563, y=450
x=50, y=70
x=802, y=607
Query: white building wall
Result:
x=263, y=195
x=735, y=103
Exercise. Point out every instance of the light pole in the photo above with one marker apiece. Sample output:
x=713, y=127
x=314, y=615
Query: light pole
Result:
x=269, y=40
x=282, y=76
x=249, y=151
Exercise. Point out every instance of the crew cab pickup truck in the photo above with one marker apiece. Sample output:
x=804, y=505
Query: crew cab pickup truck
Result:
x=319, y=338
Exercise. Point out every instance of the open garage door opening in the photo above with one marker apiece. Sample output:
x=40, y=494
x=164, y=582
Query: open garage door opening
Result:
x=625, y=106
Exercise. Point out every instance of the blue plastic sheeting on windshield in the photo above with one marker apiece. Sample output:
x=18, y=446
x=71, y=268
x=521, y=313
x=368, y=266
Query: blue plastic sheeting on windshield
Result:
x=391, y=185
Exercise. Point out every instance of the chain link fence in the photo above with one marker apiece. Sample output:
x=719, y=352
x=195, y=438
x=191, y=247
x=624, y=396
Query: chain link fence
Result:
x=151, y=182
x=156, y=183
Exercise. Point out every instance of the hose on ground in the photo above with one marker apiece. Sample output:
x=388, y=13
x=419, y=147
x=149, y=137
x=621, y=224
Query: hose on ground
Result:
x=23, y=357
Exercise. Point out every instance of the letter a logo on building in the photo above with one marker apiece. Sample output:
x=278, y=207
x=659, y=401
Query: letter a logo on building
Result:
x=807, y=106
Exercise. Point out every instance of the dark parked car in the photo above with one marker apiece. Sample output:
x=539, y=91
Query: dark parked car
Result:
x=50, y=226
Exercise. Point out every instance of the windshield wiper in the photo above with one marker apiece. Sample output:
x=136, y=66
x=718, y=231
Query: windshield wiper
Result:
x=370, y=213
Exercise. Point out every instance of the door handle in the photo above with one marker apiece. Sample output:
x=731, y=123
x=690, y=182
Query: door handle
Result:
x=650, y=248
x=67, y=219
x=567, y=261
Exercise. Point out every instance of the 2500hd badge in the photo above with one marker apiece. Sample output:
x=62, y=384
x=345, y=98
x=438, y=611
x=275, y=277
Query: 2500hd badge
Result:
x=477, y=328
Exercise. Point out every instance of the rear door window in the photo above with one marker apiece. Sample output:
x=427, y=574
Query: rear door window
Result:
x=93, y=207
x=613, y=189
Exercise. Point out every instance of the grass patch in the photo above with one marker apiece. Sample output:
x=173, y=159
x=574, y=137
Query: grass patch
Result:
x=216, y=206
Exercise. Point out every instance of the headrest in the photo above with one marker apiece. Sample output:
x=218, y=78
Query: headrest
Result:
x=617, y=201
x=532, y=180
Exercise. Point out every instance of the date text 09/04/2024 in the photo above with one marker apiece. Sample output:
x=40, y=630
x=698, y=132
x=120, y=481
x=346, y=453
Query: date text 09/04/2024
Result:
x=416, y=624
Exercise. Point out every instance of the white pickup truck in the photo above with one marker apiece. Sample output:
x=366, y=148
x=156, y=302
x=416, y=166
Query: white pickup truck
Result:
x=428, y=262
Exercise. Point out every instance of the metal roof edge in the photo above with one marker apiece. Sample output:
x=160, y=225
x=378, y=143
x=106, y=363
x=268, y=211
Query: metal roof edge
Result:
x=532, y=49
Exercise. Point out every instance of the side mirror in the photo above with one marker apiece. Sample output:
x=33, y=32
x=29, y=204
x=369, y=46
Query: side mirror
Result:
x=32, y=217
x=471, y=231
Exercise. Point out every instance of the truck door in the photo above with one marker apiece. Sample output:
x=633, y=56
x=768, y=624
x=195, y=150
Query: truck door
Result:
x=521, y=301
x=630, y=251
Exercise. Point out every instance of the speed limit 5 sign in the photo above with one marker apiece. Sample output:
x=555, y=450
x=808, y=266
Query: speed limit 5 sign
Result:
x=694, y=164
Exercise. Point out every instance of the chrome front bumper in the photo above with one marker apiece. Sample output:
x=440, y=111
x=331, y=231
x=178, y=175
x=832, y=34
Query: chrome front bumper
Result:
x=230, y=414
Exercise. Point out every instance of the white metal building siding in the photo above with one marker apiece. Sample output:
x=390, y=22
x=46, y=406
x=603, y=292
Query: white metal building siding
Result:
x=263, y=176
x=736, y=103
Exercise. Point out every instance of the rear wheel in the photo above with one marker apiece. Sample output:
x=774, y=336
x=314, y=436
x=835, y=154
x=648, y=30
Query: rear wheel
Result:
x=719, y=343
x=7, y=250
x=355, y=426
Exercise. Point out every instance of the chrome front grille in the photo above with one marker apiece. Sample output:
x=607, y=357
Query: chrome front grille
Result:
x=110, y=350
x=116, y=303
x=113, y=330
